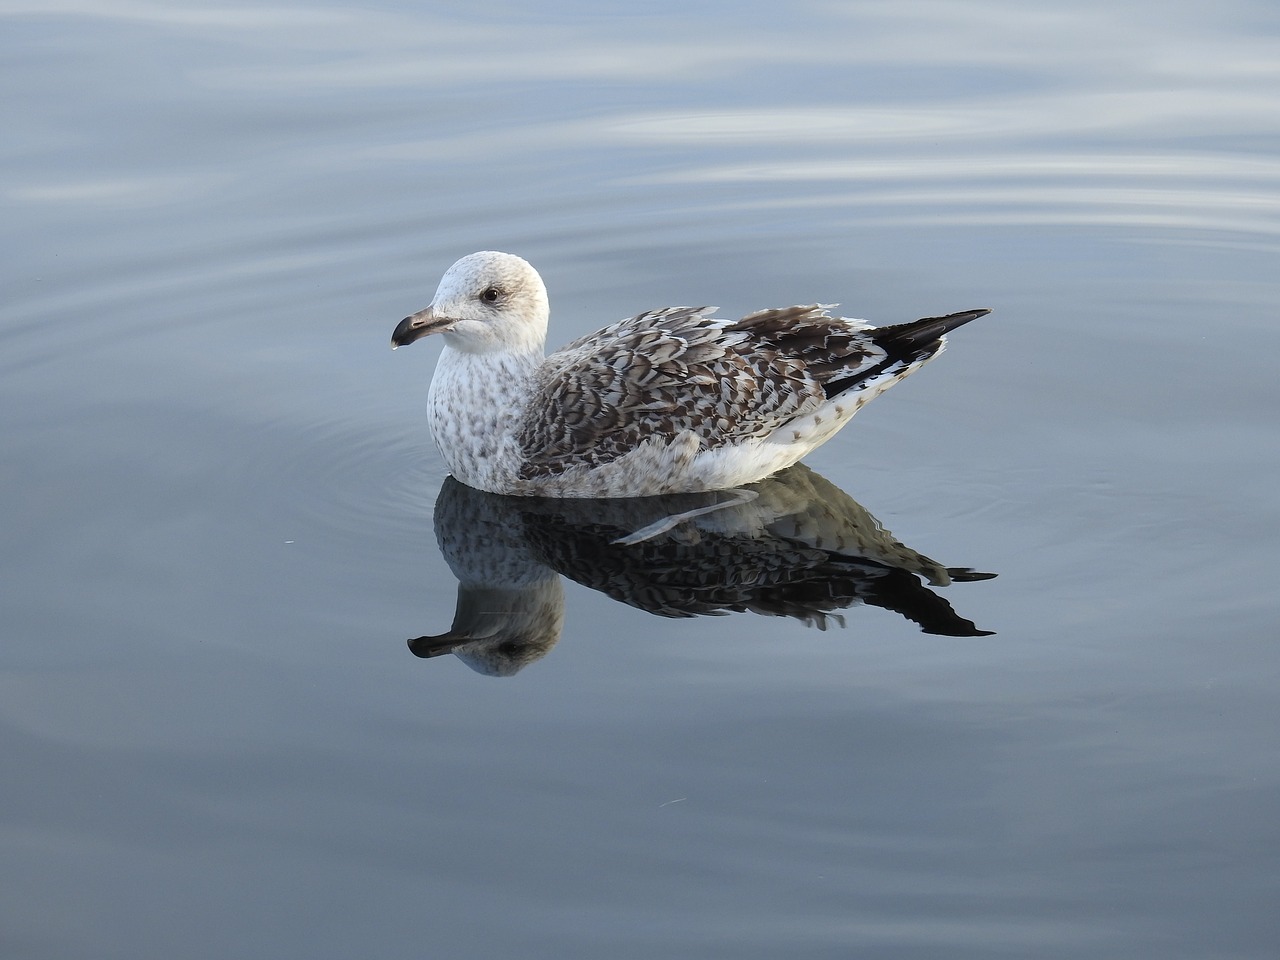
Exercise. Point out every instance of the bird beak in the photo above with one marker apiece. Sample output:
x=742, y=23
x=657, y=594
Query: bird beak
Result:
x=438, y=646
x=421, y=324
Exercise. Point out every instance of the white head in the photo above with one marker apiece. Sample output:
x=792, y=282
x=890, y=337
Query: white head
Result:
x=486, y=302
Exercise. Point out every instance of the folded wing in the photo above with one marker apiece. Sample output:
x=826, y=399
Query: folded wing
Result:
x=680, y=369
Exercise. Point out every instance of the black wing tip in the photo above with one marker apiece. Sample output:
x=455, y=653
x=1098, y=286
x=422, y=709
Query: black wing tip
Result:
x=944, y=324
x=968, y=575
x=922, y=333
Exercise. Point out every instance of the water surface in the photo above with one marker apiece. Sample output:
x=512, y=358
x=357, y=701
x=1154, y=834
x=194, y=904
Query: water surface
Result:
x=220, y=488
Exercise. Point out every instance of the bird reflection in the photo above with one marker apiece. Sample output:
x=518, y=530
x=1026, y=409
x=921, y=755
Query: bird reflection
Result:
x=794, y=545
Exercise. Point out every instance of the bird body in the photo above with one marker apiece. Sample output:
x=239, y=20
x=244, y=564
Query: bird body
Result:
x=671, y=401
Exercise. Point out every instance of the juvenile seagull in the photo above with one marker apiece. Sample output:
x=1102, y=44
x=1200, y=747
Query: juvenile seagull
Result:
x=670, y=401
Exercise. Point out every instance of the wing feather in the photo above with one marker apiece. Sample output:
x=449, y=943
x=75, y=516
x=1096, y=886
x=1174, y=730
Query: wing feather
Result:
x=680, y=369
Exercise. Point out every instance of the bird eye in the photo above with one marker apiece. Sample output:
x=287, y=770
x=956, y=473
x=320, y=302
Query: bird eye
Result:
x=490, y=295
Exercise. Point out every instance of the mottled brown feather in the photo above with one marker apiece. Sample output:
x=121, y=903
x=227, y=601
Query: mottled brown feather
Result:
x=679, y=369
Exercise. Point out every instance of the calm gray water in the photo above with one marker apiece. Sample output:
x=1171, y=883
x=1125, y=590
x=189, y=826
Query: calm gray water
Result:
x=220, y=519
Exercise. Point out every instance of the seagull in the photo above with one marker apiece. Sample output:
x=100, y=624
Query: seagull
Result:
x=674, y=400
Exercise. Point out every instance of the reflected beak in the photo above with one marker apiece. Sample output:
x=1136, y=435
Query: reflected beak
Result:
x=437, y=646
x=421, y=324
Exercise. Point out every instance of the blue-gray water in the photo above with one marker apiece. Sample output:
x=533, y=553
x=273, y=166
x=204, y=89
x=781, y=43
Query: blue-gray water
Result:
x=219, y=487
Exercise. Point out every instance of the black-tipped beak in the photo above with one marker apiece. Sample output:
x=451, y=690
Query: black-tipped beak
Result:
x=421, y=324
x=426, y=647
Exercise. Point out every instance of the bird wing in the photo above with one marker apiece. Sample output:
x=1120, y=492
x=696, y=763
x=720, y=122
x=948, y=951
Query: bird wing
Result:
x=680, y=369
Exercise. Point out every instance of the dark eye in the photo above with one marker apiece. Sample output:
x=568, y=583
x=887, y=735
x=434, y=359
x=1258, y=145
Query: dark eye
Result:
x=491, y=295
